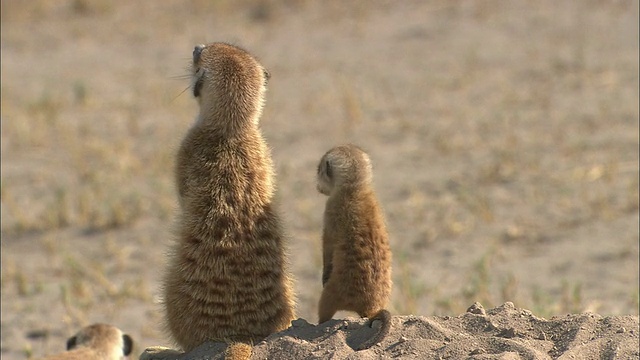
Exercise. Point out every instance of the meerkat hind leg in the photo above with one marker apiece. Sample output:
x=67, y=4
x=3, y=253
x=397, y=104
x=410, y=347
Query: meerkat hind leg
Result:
x=328, y=305
x=326, y=313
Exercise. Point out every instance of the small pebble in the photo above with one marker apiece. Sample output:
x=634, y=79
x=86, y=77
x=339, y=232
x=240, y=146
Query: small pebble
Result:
x=352, y=326
x=299, y=322
x=508, y=333
x=476, y=308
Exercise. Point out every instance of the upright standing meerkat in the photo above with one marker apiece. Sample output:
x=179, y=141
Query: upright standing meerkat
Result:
x=96, y=342
x=356, y=271
x=227, y=278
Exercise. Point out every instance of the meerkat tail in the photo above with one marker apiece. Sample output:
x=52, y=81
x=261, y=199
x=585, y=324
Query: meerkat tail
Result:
x=238, y=351
x=384, y=316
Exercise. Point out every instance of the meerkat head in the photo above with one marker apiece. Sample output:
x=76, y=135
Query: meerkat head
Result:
x=227, y=77
x=345, y=165
x=102, y=337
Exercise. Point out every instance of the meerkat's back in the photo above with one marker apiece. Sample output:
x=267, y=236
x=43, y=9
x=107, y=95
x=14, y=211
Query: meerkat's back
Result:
x=356, y=254
x=227, y=278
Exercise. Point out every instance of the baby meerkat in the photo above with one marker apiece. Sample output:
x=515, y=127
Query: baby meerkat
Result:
x=96, y=342
x=356, y=271
x=227, y=278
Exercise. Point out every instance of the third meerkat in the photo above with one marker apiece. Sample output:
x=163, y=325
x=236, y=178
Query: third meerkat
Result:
x=227, y=278
x=97, y=342
x=356, y=256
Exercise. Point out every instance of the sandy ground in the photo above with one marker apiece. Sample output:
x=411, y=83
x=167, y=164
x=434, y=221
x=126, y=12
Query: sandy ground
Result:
x=504, y=139
x=504, y=332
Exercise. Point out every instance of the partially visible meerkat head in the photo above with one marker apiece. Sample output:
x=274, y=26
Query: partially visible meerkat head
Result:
x=106, y=338
x=345, y=165
x=228, y=79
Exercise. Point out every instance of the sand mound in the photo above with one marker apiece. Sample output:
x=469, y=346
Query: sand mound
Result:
x=504, y=332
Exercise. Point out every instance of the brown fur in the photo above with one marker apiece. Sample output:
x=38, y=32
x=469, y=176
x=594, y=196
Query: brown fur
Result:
x=238, y=351
x=227, y=278
x=96, y=342
x=356, y=256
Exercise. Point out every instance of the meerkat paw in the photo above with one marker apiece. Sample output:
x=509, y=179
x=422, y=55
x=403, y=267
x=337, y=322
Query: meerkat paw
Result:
x=160, y=353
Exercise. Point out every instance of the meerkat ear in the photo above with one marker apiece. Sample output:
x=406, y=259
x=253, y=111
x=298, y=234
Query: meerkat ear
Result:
x=128, y=344
x=328, y=169
x=71, y=343
x=267, y=75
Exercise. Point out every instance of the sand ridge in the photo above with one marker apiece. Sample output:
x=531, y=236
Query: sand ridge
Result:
x=504, y=332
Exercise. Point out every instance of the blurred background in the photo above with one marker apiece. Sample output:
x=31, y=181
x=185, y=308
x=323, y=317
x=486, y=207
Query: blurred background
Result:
x=503, y=135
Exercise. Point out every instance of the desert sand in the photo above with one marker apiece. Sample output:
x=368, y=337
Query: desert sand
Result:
x=504, y=332
x=503, y=135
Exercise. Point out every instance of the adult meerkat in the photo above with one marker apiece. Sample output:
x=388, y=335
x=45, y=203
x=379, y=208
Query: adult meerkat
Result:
x=96, y=342
x=356, y=271
x=227, y=279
